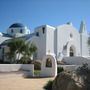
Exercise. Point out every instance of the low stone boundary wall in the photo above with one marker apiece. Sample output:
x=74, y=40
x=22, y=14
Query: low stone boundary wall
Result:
x=69, y=67
x=17, y=67
x=77, y=60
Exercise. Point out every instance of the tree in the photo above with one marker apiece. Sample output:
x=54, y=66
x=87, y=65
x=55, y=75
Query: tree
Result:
x=29, y=50
x=18, y=47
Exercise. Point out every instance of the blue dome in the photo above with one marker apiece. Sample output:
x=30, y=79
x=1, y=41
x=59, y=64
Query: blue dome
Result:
x=16, y=25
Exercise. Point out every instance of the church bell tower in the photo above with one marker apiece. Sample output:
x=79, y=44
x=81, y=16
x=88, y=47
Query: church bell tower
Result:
x=83, y=39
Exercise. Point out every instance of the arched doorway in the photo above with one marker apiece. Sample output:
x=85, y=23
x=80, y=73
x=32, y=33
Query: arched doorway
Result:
x=72, y=51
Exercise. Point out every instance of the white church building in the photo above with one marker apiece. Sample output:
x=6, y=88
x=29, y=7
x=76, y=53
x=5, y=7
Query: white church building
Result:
x=61, y=41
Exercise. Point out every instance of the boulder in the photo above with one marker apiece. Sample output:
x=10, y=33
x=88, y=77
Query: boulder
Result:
x=65, y=81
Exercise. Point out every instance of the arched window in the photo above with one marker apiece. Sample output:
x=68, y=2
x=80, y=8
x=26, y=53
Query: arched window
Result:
x=11, y=30
x=48, y=62
x=21, y=31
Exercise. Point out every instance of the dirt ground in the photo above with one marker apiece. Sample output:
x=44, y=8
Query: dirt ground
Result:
x=18, y=82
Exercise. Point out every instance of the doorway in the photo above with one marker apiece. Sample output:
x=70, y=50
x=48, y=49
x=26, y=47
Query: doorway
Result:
x=71, y=52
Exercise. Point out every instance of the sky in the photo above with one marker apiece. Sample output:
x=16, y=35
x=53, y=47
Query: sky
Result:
x=33, y=13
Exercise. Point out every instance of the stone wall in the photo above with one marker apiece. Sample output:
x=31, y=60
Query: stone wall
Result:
x=76, y=60
x=69, y=67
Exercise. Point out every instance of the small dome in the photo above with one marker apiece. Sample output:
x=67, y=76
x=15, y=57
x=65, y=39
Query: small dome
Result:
x=69, y=23
x=17, y=30
x=17, y=25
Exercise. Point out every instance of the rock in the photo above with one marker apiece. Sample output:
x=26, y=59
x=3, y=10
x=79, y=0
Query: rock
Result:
x=64, y=81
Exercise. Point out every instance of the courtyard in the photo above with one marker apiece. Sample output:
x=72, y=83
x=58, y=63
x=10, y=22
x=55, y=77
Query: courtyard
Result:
x=14, y=81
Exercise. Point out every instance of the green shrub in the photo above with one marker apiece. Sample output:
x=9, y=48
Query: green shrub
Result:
x=37, y=72
x=48, y=86
x=59, y=69
x=24, y=60
x=37, y=65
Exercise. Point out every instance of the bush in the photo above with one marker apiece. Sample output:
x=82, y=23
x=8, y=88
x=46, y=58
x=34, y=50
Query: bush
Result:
x=83, y=70
x=37, y=72
x=48, y=86
x=59, y=69
x=24, y=60
x=37, y=65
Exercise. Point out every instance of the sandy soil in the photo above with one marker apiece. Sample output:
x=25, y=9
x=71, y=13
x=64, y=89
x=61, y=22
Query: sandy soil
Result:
x=17, y=82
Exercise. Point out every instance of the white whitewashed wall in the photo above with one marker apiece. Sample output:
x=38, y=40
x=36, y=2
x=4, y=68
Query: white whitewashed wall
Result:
x=17, y=67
